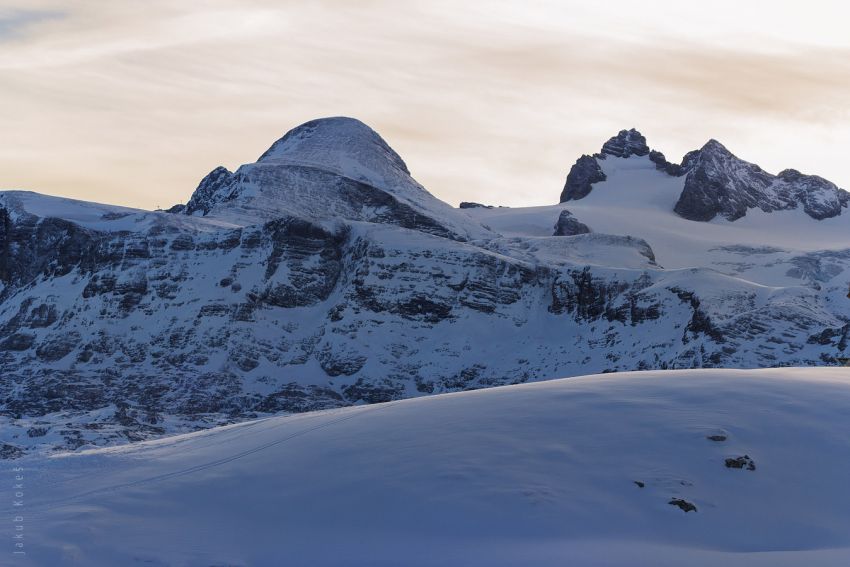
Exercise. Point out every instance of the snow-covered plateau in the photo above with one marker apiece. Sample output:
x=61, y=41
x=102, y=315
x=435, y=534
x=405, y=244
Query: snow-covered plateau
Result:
x=658, y=468
x=323, y=276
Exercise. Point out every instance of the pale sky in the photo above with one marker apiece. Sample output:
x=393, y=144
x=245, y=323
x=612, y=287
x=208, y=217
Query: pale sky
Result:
x=132, y=102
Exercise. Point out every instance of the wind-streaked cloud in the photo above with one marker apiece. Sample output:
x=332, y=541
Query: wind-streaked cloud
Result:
x=133, y=102
x=14, y=22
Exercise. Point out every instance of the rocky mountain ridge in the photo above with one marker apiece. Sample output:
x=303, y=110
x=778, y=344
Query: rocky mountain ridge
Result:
x=716, y=182
x=323, y=275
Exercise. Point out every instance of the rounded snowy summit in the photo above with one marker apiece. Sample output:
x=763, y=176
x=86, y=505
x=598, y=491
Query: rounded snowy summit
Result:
x=339, y=144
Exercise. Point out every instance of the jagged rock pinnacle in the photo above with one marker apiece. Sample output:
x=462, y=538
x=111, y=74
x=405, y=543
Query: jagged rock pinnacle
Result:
x=626, y=144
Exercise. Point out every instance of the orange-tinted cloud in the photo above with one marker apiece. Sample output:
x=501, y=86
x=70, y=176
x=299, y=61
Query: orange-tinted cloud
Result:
x=133, y=102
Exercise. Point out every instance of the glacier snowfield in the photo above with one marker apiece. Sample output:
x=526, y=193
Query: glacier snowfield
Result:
x=579, y=471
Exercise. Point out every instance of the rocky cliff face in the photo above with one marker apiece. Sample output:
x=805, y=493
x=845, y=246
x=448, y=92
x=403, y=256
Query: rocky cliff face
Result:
x=718, y=183
x=581, y=178
x=323, y=275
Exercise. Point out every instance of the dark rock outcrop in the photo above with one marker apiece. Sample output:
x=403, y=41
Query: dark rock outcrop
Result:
x=50, y=247
x=218, y=185
x=568, y=225
x=591, y=298
x=683, y=505
x=719, y=183
x=625, y=144
x=821, y=199
x=8, y=451
x=744, y=462
x=662, y=164
x=581, y=178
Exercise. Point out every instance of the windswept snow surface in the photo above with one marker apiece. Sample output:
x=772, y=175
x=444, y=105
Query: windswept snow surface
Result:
x=101, y=217
x=533, y=474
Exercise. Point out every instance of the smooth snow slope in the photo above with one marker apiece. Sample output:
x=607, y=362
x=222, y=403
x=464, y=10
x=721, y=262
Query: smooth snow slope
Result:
x=99, y=216
x=535, y=474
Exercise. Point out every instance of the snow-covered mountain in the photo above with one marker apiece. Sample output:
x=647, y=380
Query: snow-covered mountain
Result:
x=324, y=275
x=695, y=467
x=715, y=182
x=329, y=170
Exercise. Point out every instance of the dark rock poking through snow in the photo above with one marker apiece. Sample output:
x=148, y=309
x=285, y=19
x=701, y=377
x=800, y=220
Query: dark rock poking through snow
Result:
x=568, y=225
x=683, y=505
x=581, y=178
x=744, y=462
x=717, y=438
x=10, y=451
x=662, y=164
x=215, y=183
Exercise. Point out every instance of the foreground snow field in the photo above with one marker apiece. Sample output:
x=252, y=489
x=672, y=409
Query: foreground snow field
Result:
x=535, y=474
